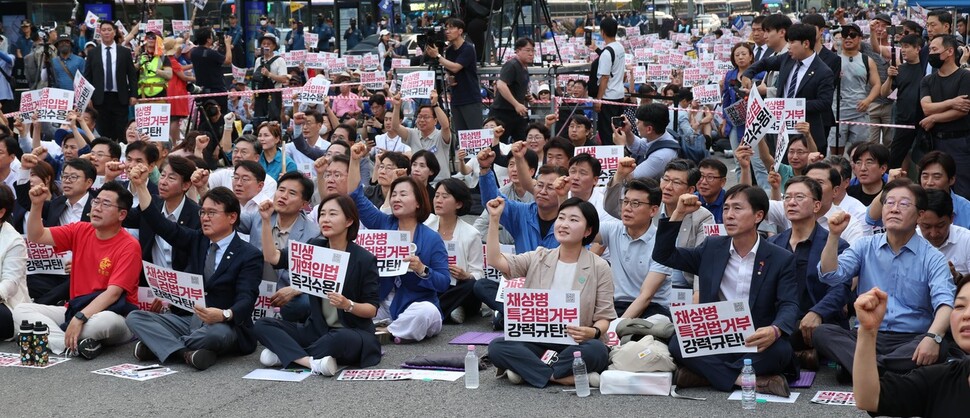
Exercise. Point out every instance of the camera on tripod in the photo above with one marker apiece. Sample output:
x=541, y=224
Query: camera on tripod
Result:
x=434, y=35
x=44, y=32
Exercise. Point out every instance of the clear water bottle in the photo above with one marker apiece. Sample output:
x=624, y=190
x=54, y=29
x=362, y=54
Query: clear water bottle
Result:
x=471, y=369
x=748, y=398
x=579, y=373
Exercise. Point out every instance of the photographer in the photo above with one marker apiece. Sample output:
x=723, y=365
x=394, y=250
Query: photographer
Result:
x=512, y=91
x=153, y=71
x=207, y=62
x=459, y=61
x=269, y=73
x=37, y=63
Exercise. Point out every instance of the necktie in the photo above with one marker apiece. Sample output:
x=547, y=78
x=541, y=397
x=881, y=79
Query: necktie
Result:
x=210, y=261
x=109, y=78
x=757, y=56
x=794, y=80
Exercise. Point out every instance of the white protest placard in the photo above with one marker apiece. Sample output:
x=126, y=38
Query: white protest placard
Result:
x=639, y=74
x=400, y=63
x=180, y=289
x=473, y=141
x=373, y=80
x=294, y=58
x=54, y=105
x=118, y=25
x=315, y=61
x=681, y=297
x=91, y=20
x=335, y=65
x=758, y=120
x=371, y=61
x=135, y=371
x=694, y=76
x=831, y=397
x=315, y=91
x=145, y=298
x=452, y=248
x=392, y=248
x=155, y=25
x=791, y=111
x=153, y=119
x=715, y=230
x=505, y=284
x=613, y=340
x=317, y=270
x=83, y=91
x=199, y=4
x=781, y=148
x=658, y=73
x=263, y=308
x=181, y=26
x=491, y=273
x=289, y=94
x=713, y=328
x=540, y=315
x=707, y=94
x=238, y=74
x=42, y=259
x=28, y=104
x=609, y=158
x=417, y=85
x=353, y=61
x=311, y=39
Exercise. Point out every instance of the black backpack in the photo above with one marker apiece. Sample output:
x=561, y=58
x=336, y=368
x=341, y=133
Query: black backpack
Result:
x=593, y=84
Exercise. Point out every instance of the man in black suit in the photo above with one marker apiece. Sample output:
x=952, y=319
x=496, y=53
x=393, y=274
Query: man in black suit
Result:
x=741, y=266
x=111, y=70
x=231, y=270
x=801, y=75
x=74, y=205
x=830, y=58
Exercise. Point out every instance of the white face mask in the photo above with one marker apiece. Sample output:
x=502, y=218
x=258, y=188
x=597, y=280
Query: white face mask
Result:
x=262, y=22
x=324, y=129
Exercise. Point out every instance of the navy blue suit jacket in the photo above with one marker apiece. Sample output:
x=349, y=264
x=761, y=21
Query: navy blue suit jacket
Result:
x=815, y=296
x=773, y=299
x=189, y=218
x=235, y=283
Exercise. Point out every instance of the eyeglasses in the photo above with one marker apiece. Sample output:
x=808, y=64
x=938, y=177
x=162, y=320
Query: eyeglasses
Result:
x=677, y=183
x=544, y=187
x=711, y=179
x=244, y=179
x=333, y=174
x=534, y=138
x=102, y=203
x=209, y=213
x=634, y=203
x=901, y=204
x=387, y=167
x=69, y=178
x=867, y=163
x=797, y=152
x=798, y=198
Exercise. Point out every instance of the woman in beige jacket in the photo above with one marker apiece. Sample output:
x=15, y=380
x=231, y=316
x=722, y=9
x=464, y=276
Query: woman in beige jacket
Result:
x=13, y=265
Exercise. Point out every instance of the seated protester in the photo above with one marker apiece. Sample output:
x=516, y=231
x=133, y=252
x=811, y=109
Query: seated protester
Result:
x=452, y=200
x=246, y=149
x=308, y=127
x=726, y=269
x=512, y=190
x=655, y=147
x=469, y=171
x=248, y=183
x=104, y=274
x=426, y=136
x=390, y=166
x=270, y=137
x=917, y=278
x=424, y=169
x=530, y=224
x=41, y=173
x=287, y=222
x=138, y=152
x=103, y=151
x=13, y=264
x=936, y=226
x=74, y=205
x=848, y=203
x=537, y=136
x=827, y=177
x=581, y=131
x=557, y=152
x=69, y=142
x=570, y=266
x=642, y=285
x=937, y=390
x=338, y=329
x=799, y=147
x=938, y=170
x=389, y=140
x=332, y=174
x=710, y=186
x=871, y=163
x=680, y=177
x=10, y=153
x=409, y=301
x=343, y=135
x=817, y=302
x=231, y=270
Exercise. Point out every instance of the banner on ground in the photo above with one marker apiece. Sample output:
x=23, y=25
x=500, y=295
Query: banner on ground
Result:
x=417, y=85
x=392, y=249
x=540, y=315
x=831, y=397
x=152, y=119
x=180, y=289
x=317, y=270
x=713, y=328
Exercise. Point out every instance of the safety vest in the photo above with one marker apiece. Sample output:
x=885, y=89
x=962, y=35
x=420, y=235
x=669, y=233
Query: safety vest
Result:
x=150, y=84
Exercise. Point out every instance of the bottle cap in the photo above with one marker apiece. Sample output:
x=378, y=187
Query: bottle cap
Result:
x=577, y=354
x=761, y=400
x=26, y=326
x=747, y=362
x=471, y=347
x=40, y=328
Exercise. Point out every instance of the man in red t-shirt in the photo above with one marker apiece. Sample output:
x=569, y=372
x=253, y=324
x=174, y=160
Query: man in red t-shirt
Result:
x=104, y=276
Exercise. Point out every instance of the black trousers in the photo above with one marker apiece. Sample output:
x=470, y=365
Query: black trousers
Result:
x=722, y=370
x=515, y=125
x=48, y=289
x=524, y=359
x=894, y=352
x=462, y=294
x=651, y=309
x=900, y=147
x=290, y=341
x=112, y=117
x=6, y=322
x=486, y=290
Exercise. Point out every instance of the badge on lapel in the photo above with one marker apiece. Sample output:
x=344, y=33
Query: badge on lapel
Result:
x=582, y=280
x=761, y=267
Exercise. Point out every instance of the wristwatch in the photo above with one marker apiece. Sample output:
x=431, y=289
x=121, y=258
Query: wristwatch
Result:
x=936, y=338
x=226, y=314
x=351, y=308
x=424, y=273
x=598, y=333
x=82, y=317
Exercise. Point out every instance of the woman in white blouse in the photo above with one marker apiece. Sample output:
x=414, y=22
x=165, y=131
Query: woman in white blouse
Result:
x=452, y=200
x=13, y=265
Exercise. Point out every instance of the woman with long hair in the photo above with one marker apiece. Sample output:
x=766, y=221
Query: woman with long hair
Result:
x=270, y=137
x=452, y=200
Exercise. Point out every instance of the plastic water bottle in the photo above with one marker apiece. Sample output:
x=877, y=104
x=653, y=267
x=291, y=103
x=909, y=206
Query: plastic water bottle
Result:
x=471, y=369
x=26, y=341
x=579, y=373
x=748, y=398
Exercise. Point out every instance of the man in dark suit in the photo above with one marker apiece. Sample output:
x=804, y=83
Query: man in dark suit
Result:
x=801, y=75
x=830, y=58
x=231, y=270
x=74, y=205
x=740, y=266
x=111, y=69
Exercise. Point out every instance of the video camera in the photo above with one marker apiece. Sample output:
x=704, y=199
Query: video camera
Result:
x=43, y=32
x=434, y=35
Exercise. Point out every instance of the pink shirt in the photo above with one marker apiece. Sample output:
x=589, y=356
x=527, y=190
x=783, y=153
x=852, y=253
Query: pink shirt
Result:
x=342, y=104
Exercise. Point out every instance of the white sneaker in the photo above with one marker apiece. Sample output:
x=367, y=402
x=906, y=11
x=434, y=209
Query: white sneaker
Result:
x=269, y=358
x=594, y=379
x=326, y=366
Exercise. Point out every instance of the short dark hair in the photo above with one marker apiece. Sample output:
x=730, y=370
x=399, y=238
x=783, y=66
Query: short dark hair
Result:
x=524, y=42
x=687, y=166
x=306, y=186
x=949, y=42
x=253, y=167
x=913, y=40
x=776, y=22
x=588, y=159
x=758, y=20
x=312, y=113
x=552, y=169
x=223, y=196
x=914, y=27
x=560, y=143
x=350, y=212
x=460, y=191
x=151, y=153
x=905, y=183
x=582, y=120
x=939, y=202
x=654, y=115
x=737, y=46
x=609, y=27
x=648, y=186
x=937, y=157
x=114, y=150
x=84, y=166
x=430, y=160
x=340, y=158
x=420, y=195
x=841, y=165
x=942, y=15
x=399, y=160
x=589, y=212
x=715, y=164
x=801, y=32
x=455, y=23
x=879, y=152
x=7, y=201
x=814, y=19
x=834, y=177
x=755, y=196
x=12, y=146
x=181, y=166
x=543, y=130
x=248, y=139
x=125, y=198
x=813, y=186
x=202, y=35
x=342, y=143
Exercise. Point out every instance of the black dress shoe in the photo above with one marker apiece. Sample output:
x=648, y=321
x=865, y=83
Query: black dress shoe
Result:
x=143, y=353
x=200, y=359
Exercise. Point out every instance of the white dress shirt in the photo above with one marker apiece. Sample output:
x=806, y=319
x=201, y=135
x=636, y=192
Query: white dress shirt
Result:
x=74, y=212
x=800, y=74
x=955, y=248
x=736, y=283
x=162, y=252
x=114, y=61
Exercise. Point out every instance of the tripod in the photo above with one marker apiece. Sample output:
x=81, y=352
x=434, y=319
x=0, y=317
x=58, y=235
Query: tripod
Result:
x=542, y=6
